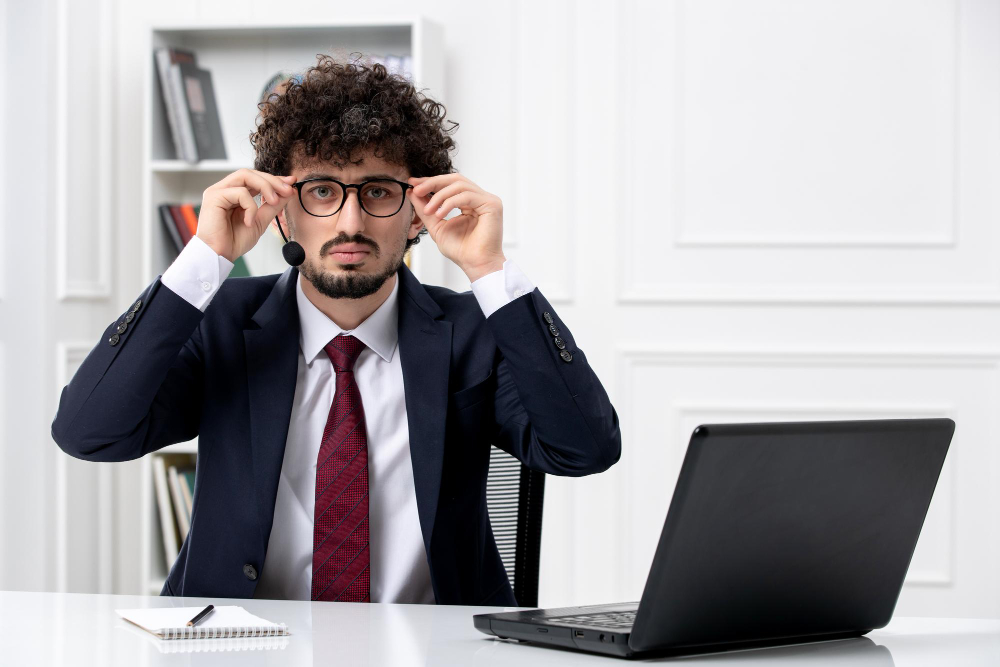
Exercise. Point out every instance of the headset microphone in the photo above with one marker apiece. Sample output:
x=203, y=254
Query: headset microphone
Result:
x=292, y=251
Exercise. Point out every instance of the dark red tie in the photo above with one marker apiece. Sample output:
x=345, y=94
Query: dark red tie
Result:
x=340, y=518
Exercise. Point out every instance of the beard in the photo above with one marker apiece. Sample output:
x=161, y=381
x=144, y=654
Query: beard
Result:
x=351, y=283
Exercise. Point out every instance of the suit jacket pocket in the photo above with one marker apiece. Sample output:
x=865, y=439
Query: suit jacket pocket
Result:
x=463, y=398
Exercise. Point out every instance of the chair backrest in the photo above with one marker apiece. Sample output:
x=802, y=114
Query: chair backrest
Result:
x=514, y=496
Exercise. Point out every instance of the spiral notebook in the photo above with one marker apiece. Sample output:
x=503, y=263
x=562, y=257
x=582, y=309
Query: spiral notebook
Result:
x=224, y=621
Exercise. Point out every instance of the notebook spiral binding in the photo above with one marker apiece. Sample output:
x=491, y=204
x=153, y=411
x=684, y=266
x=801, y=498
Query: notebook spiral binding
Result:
x=216, y=645
x=196, y=632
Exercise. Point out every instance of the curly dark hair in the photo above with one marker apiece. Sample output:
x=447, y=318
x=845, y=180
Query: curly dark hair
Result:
x=336, y=109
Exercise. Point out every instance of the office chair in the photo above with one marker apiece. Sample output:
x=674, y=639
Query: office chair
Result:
x=514, y=495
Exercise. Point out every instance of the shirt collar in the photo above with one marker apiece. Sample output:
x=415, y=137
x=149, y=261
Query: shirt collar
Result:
x=379, y=331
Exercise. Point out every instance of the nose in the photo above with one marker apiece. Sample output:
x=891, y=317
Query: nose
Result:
x=351, y=217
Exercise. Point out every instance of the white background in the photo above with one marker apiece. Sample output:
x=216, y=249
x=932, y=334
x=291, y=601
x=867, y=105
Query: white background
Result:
x=745, y=210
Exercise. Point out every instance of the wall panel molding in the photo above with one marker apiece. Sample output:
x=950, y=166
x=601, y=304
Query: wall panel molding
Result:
x=711, y=260
x=947, y=238
x=936, y=561
x=544, y=156
x=83, y=227
x=941, y=522
x=97, y=520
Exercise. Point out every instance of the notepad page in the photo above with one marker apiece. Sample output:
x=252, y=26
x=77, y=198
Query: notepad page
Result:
x=158, y=619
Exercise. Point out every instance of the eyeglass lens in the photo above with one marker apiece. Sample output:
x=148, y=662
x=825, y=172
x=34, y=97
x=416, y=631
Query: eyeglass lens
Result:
x=380, y=198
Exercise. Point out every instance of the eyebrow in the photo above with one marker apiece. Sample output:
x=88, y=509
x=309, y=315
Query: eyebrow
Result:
x=317, y=174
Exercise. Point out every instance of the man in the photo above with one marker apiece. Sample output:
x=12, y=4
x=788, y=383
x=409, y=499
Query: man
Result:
x=344, y=411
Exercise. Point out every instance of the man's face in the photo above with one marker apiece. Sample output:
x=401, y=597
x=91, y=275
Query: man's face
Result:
x=351, y=254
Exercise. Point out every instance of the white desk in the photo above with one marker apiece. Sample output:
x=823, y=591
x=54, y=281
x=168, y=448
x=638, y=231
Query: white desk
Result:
x=83, y=629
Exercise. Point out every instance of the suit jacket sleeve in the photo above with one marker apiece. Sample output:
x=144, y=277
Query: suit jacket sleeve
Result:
x=553, y=415
x=141, y=393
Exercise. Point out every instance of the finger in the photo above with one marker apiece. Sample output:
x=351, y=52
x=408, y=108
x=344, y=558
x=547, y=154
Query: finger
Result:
x=267, y=210
x=257, y=182
x=441, y=195
x=240, y=197
x=433, y=183
x=272, y=187
x=282, y=184
x=462, y=200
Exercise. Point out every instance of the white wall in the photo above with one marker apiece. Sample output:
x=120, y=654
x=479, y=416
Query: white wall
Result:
x=745, y=211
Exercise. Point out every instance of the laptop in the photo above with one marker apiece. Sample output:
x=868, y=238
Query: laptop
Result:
x=777, y=533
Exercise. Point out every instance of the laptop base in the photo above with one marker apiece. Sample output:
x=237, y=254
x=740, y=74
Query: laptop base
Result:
x=526, y=627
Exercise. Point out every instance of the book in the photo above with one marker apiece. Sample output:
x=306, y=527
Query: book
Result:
x=187, y=211
x=189, y=476
x=180, y=508
x=168, y=60
x=168, y=221
x=167, y=526
x=180, y=223
x=186, y=490
x=202, y=112
x=224, y=621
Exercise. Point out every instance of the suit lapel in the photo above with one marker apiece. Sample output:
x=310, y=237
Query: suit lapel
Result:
x=272, y=345
x=272, y=350
x=425, y=349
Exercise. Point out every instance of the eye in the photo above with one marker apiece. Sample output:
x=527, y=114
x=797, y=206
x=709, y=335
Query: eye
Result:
x=321, y=191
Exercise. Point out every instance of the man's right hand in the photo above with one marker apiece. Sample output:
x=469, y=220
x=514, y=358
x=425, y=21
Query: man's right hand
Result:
x=230, y=221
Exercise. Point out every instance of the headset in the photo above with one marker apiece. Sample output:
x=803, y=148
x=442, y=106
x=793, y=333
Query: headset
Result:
x=292, y=251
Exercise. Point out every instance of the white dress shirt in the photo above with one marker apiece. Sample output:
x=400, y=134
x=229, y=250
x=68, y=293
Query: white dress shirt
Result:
x=399, y=570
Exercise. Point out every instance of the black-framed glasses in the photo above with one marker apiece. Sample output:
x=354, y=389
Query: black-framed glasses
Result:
x=379, y=197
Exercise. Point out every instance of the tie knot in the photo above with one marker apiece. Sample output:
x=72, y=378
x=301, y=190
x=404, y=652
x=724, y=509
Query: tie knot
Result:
x=343, y=352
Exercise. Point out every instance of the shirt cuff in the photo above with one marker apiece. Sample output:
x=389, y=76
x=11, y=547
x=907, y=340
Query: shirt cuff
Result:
x=197, y=273
x=497, y=289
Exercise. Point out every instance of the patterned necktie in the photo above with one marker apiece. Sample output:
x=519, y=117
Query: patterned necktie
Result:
x=340, y=518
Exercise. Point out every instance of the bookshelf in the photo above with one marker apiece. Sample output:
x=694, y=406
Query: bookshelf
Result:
x=242, y=58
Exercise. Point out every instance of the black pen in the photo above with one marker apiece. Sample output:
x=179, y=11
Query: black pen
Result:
x=201, y=614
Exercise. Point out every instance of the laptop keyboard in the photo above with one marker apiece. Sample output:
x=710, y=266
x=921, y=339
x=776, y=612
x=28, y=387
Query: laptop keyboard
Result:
x=610, y=619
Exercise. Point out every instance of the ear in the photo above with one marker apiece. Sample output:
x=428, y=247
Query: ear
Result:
x=284, y=224
x=416, y=224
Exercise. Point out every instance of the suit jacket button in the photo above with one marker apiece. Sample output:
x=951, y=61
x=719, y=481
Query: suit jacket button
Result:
x=122, y=327
x=560, y=343
x=130, y=316
x=548, y=316
x=136, y=305
x=114, y=339
x=250, y=571
x=566, y=356
x=554, y=330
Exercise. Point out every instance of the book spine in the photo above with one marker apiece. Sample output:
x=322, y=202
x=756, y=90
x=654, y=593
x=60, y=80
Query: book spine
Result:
x=179, y=509
x=168, y=222
x=166, y=512
x=180, y=223
x=187, y=210
x=186, y=492
x=163, y=68
x=189, y=152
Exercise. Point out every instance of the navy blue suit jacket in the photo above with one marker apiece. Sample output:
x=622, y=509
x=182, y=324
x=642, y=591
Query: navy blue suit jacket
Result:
x=227, y=375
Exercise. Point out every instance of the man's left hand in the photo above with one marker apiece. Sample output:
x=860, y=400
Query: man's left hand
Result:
x=473, y=239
